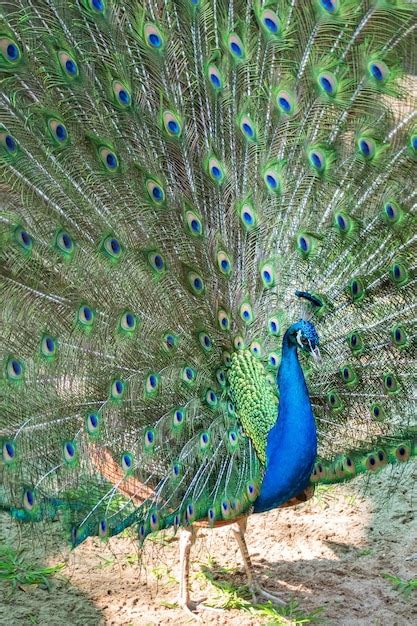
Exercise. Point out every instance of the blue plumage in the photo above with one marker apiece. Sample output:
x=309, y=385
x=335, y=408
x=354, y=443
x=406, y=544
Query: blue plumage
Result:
x=292, y=442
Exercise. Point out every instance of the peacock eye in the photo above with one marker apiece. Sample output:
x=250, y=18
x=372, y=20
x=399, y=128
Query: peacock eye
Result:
x=304, y=244
x=356, y=289
x=109, y=159
x=215, y=170
x=48, y=346
x=236, y=47
x=29, y=500
x=8, y=143
x=178, y=417
x=270, y=22
x=153, y=37
x=205, y=341
x=149, y=439
x=224, y=263
x=172, y=124
x=8, y=451
x=188, y=375
x=317, y=160
x=92, y=423
x=274, y=326
x=327, y=83
x=239, y=343
x=155, y=192
x=111, y=246
x=273, y=359
x=117, y=389
x=23, y=238
x=64, y=244
x=391, y=383
x=223, y=320
x=399, y=273
x=267, y=275
x=256, y=349
x=152, y=384
x=86, y=315
x=58, y=131
x=399, y=336
x=157, y=263
x=272, y=181
x=196, y=283
x=204, y=441
x=366, y=147
x=97, y=6
x=128, y=322
x=285, y=102
x=331, y=6
x=246, y=313
x=69, y=451
x=10, y=50
x=103, y=528
x=221, y=377
x=194, y=224
x=247, y=127
x=378, y=70
x=343, y=223
x=211, y=398
x=121, y=94
x=127, y=461
x=215, y=77
x=68, y=65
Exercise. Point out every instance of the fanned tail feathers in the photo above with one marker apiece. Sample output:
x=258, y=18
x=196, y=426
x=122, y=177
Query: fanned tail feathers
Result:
x=171, y=173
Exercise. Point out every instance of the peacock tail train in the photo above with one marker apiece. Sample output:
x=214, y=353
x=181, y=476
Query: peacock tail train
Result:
x=172, y=172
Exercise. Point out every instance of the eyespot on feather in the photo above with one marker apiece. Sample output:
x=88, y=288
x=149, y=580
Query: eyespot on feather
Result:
x=10, y=53
x=68, y=65
x=153, y=36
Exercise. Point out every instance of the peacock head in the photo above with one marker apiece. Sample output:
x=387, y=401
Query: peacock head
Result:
x=304, y=335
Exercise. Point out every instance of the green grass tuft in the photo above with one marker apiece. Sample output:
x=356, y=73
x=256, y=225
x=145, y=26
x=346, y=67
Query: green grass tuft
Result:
x=406, y=587
x=239, y=598
x=17, y=571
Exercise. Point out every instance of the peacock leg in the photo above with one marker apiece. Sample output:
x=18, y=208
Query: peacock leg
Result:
x=239, y=529
x=187, y=538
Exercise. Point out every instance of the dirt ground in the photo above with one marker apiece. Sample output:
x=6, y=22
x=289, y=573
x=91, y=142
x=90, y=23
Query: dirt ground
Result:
x=330, y=553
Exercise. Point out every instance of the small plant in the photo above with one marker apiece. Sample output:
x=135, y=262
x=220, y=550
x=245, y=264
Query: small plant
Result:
x=406, y=587
x=364, y=552
x=323, y=495
x=15, y=570
x=163, y=573
x=239, y=597
x=106, y=561
x=162, y=538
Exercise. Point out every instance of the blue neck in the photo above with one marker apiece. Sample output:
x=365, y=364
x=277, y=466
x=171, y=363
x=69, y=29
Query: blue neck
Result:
x=292, y=442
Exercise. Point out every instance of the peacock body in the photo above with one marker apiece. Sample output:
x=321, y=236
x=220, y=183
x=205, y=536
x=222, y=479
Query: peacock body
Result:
x=181, y=182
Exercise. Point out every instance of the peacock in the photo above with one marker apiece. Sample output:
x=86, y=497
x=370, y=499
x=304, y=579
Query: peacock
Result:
x=208, y=259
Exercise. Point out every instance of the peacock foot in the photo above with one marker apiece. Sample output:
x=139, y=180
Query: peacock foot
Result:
x=189, y=607
x=192, y=609
x=256, y=591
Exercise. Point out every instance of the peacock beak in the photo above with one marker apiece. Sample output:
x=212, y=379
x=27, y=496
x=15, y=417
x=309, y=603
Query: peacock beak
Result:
x=315, y=353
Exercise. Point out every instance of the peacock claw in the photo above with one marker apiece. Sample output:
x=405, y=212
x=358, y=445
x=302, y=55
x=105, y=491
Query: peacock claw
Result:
x=192, y=608
x=189, y=608
x=215, y=609
x=258, y=590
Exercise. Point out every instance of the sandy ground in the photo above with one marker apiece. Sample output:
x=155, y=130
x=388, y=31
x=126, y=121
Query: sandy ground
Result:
x=331, y=553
